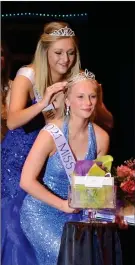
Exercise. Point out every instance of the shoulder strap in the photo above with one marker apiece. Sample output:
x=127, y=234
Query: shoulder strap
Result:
x=30, y=74
x=93, y=142
x=63, y=148
x=27, y=72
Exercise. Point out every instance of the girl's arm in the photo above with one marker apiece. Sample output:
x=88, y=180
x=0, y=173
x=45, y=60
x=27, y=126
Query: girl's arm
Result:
x=42, y=148
x=18, y=114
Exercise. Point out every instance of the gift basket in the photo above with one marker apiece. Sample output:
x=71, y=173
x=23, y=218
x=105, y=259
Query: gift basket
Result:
x=92, y=185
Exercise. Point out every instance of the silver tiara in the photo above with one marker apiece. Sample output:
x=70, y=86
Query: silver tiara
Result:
x=82, y=76
x=63, y=32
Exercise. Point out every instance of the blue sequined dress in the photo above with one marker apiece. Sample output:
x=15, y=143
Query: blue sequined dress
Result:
x=43, y=224
x=14, y=150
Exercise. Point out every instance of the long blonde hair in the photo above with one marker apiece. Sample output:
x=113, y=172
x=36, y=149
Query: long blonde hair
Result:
x=42, y=71
x=103, y=117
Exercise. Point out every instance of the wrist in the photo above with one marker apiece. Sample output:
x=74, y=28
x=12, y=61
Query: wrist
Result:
x=46, y=107
x=42, y=104
x=49, y=107
x=62, y=205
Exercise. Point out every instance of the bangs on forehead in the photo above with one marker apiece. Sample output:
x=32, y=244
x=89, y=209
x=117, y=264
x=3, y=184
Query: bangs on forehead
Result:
x=90, y=84
x=79, y=87
x=58, y=44
x=82, y=76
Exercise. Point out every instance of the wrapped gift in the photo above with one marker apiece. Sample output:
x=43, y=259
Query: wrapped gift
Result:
x=92, y=185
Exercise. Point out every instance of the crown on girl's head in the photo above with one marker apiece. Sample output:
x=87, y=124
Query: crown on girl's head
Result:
x=82, y=76
x=63, y=32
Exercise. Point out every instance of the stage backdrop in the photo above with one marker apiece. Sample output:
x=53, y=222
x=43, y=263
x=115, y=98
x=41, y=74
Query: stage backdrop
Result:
x=106, y=40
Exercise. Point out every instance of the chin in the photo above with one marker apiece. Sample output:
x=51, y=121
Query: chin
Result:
x=87, y=116
x=63, y=70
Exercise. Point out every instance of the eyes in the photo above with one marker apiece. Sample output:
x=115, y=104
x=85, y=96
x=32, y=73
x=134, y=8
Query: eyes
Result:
x=80, y=96
x=70, y=53
x=90, y=97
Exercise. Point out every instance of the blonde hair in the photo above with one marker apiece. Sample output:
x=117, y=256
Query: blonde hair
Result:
x=42, y=71
x=101, y=115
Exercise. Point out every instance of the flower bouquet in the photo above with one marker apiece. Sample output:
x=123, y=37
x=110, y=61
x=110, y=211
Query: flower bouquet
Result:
x=92, y=185
x=125, y=180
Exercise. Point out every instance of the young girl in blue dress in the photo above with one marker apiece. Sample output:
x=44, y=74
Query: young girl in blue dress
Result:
x=45, y=211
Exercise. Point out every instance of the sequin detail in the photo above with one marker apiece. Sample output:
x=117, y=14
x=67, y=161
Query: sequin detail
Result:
x=14, y=151
x=16, y=146
x=43, y=224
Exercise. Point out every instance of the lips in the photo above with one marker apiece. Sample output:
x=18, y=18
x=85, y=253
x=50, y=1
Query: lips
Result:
x=64, y=65
x=88, y=110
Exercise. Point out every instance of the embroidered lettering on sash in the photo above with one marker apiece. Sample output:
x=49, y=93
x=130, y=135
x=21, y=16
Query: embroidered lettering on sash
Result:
x=63, y=148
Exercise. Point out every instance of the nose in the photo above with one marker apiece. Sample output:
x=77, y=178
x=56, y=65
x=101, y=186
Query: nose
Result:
x=65, y=58
x=89, y=101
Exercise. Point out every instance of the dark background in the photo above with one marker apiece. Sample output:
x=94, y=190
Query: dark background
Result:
x=106, y=42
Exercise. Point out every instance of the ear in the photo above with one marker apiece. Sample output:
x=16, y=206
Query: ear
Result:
x=67, y=102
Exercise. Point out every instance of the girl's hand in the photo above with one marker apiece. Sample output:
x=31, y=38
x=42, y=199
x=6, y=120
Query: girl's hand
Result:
x=68, y=209
x=52, y=93
x=121, y=222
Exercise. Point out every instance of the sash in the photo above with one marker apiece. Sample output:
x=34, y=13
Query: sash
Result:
x=63, y=148
x=39, y=98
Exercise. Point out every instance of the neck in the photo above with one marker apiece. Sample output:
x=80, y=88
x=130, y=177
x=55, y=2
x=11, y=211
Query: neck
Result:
x=56, y=116
x=56, y=77
x=77, y=125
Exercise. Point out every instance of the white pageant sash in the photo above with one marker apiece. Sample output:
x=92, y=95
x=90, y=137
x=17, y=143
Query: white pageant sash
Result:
x=39, y=98
x=63, y=149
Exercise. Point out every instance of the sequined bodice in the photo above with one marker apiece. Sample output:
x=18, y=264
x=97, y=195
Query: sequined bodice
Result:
x=55, y=176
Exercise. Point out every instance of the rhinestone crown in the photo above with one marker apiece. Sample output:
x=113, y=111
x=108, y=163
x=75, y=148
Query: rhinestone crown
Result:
x=63, y=32
x=82, y=76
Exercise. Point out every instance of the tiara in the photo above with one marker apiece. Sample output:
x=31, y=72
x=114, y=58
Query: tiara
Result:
x=63, y=32
x=82, y=76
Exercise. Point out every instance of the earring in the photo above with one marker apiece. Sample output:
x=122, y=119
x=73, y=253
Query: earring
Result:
x=67, y=111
